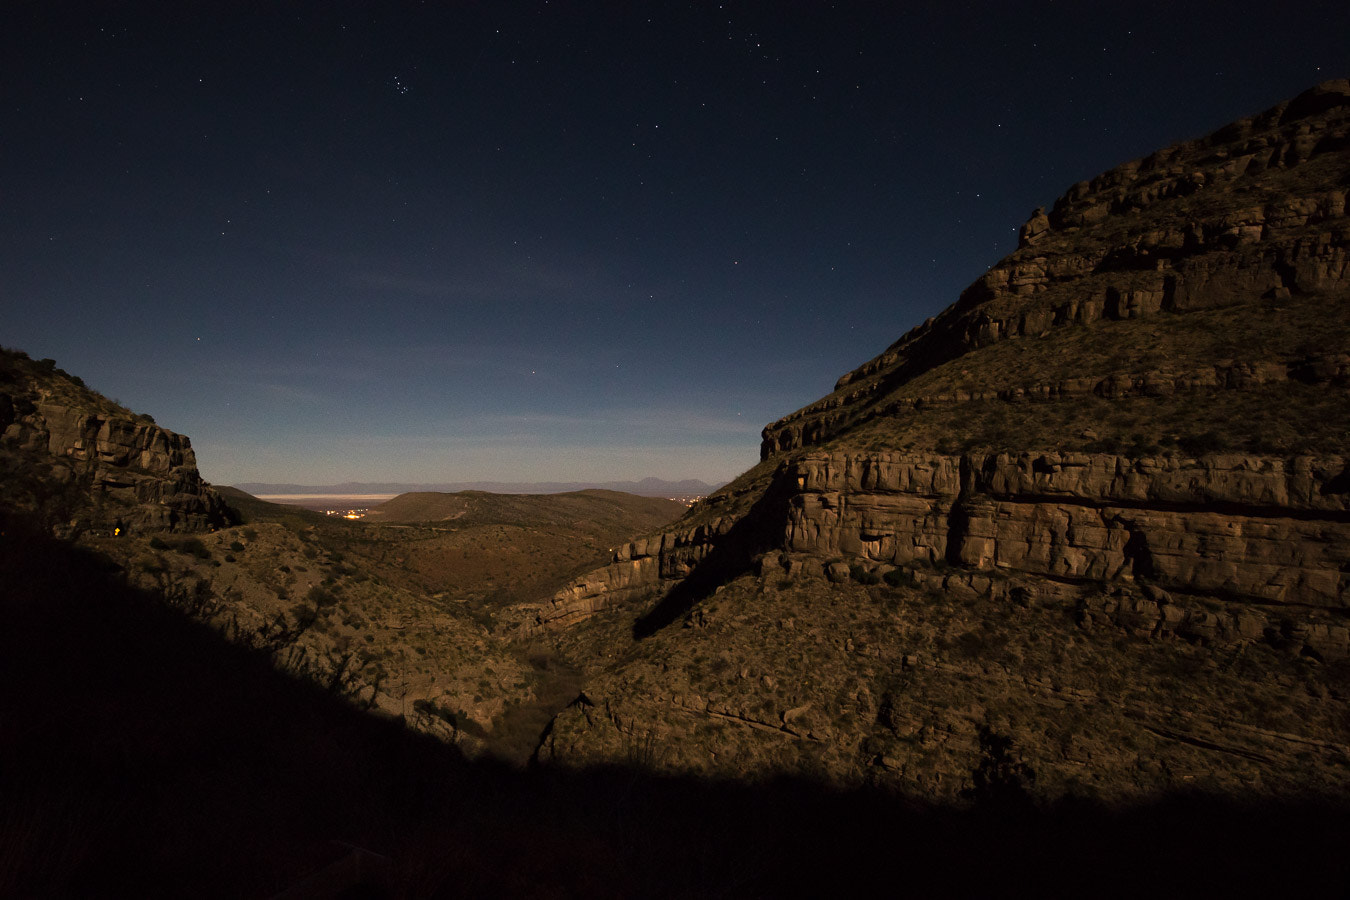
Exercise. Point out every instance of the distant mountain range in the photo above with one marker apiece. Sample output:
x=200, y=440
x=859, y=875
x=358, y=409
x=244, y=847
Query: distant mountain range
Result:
x=647, y=487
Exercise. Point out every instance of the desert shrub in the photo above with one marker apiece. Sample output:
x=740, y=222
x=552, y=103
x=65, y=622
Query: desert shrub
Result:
x=430, y=709
x=236, y=546
x=1000, y=779
x=250, y=534
x=1141, y=445
x=194, y=547
x=304, y=615
x=157, y=543
x=645, y=750
x=321, y=597
x=899, y=578
x=1199, y=444
x=862, y=576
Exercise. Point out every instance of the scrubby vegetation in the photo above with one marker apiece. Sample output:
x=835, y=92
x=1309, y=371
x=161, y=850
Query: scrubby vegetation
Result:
x=1287, y=416
x=260, y=781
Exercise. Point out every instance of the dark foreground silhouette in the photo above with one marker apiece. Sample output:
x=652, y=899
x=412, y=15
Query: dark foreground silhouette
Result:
x=141, y=755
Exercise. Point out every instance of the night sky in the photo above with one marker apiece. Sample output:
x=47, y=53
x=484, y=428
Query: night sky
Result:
x=556, y=241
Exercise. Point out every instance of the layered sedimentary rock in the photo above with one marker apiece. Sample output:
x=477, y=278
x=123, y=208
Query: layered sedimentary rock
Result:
x=637, y=569
x=1153, y=385
x=1254, y=212
x=82, y=462
x=1244, y=530
x=1099, y=508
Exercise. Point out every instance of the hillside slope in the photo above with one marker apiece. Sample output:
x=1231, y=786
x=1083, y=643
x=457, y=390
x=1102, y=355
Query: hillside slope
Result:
x=147, y=753
x=593, y=507
x=1098, y=507
x=82, y=462
x=397, y=618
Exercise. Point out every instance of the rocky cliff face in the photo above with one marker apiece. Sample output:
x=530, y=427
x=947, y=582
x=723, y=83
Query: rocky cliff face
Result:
x=1132, y=430
x=84, y=463
x=1139, y=387
x=1265, y=536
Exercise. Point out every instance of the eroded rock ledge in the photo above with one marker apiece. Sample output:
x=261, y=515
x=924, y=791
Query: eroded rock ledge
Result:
x=638, y=569
x=1245, y=530
x=102, y=470
x=1241, y=217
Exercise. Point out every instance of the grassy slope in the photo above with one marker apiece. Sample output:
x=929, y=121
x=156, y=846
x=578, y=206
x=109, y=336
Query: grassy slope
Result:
x=1284, y=417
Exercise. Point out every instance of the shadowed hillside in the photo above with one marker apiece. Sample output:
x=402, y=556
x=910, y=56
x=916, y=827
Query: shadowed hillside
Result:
x=146, y=756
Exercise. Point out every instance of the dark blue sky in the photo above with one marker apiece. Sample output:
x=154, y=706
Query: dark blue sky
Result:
x=527, y=241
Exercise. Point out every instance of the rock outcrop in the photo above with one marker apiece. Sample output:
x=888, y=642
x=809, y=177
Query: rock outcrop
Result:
x=82, y=462
x=638, y=568
x=1125, y=292
x=1120, y=458
x=1253, y=214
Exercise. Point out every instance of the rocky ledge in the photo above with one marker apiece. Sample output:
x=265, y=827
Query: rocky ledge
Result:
x=85, y=463
x=1097, y=510
x=1254, y=214
x=1260, y=535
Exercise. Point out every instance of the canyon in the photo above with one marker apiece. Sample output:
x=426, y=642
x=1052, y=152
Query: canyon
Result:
x=1087, y=529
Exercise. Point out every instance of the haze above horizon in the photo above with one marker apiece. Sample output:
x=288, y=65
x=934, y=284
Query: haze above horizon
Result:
x=531, y=242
